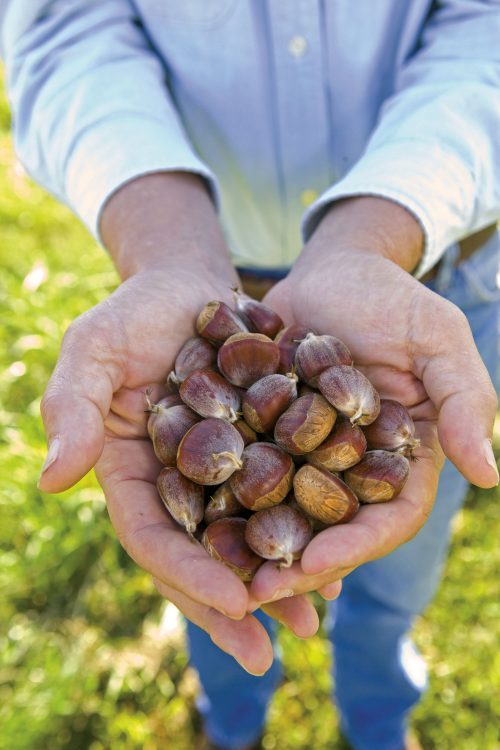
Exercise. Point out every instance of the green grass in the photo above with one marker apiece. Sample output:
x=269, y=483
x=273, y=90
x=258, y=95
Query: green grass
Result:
x=91, y=657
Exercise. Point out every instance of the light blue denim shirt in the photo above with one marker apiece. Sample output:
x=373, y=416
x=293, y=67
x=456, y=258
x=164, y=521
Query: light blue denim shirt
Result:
x=282, y=106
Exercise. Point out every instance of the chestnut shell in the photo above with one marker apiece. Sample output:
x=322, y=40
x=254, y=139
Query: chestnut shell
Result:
x=224, y=540
x=324, y=496
x=265, y=478
x=379, y=476
x=305, y=424
x=210, y=451
x=279, y=533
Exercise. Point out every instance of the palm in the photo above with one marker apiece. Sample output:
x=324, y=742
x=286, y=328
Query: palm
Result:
x=379, y=333
x=117, y=350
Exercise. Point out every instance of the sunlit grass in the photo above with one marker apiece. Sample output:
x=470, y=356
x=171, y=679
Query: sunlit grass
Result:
x=91, y=658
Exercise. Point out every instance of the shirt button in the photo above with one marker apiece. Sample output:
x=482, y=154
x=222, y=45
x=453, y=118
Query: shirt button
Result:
x=297, y=46
x=307, y=197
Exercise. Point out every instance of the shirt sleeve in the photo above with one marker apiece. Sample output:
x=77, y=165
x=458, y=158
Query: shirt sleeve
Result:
x=436, y=148
x=91, y=107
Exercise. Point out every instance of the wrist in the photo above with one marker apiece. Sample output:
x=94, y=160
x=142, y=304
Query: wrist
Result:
x=162, y=221
x=370, y=224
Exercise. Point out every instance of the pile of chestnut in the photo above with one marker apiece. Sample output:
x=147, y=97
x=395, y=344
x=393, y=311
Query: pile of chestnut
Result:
x=270, y=434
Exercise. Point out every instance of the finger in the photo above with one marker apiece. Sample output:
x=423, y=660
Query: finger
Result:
x=75, y=403
x=378, y=529
x=127, y=472
x=391, y=382
x=297, y=613
x=278, y=299
x=459, y=385
x=128, y=415
x=331, y=590
x=271, y=584
x=245, y=640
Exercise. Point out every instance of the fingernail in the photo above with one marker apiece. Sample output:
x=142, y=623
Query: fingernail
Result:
x=330, y=592
x=231, y=615
x=281, y=594
x=254, y=673
x=52, y=454
x=490, y=456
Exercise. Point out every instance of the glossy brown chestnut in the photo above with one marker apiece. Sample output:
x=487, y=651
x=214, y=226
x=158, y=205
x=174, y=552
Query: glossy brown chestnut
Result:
x=280, y=533
x=267, y=399
x=265, y=477
x=222, y=504
x=184, y=500
x=324, y=496
x=247, y=357
x=224, y=540
x=210, y=395
x=217, y=322
x=380, y=476
x=172, y=399
x=349, y=391
x=210, y=452
x=344, y=447
x=168, y=430
x=305, y=424
x=258, y=317
x=196, y=354
x=288, y=340
x=316, y=353
x=393, y=430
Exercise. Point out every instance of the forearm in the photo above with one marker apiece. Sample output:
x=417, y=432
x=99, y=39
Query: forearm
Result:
x=367, y=224
x=164, y=220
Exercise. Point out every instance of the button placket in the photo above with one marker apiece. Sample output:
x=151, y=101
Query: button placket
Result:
x=302, y=110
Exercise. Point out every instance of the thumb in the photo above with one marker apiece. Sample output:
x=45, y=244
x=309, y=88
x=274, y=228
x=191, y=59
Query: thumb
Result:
x=458, y=383
x=74, y=406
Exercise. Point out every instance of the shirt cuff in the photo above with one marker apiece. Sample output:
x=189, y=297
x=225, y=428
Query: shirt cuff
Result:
x=432, y=184
x=115, y=151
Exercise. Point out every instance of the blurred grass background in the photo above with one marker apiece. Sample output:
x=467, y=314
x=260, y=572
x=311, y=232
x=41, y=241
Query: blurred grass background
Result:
x=91, y=658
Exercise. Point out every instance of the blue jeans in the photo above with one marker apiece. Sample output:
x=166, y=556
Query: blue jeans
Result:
x=378, y=673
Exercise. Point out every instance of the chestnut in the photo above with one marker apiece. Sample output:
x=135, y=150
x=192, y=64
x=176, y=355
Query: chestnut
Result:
x=265, y=477
x=351, y=393
x=305, y=424
x=280, y=533
x=393, y=430
x=267, y=399
x=224, y=540
x=344, y=447
x=171, y=399
x=380, y=476
x=247, y=357
x=288, y=340
x=210, y=395
x=184, y=500
x=324, y=496
x=317, y=353
x=217, y=322
x=222, y=504
x=196, y=354
x=258, y=317
x=210, y=451
x=168, y=430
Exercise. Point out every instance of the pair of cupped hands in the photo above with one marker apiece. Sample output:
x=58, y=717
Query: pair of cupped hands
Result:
x=415, y=347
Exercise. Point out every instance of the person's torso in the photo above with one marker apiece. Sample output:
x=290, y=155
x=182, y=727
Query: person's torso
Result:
x=279, y=99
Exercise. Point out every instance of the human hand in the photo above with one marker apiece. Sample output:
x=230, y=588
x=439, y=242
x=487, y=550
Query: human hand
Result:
x=415, y=347
x=93, y=408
